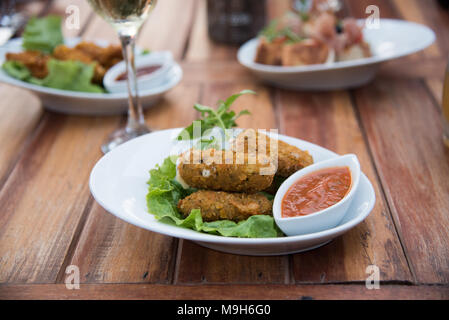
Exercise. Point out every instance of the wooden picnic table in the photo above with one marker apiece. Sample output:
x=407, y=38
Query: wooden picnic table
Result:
x=49, y=220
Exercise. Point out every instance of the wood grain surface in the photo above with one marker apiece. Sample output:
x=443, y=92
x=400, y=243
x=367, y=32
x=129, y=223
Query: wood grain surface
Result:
x=49, y=220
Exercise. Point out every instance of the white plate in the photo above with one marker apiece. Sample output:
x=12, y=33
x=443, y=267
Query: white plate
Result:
x=118, y=184
x=394, y=39
x=85, y=103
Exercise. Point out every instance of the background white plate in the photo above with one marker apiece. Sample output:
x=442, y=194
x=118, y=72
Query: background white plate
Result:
x=394, y=39
x=85, y=103
x=118, y=184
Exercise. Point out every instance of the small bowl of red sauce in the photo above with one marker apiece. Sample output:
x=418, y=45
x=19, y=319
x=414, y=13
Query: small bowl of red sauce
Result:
x=150, y=70
x=317, y=197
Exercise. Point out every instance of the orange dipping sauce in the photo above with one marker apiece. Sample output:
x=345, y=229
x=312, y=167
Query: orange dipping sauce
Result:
x=316, y=191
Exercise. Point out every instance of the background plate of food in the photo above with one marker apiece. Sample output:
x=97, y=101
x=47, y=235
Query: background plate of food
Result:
x=150, y=183
x=322, y=52
x=67, y=74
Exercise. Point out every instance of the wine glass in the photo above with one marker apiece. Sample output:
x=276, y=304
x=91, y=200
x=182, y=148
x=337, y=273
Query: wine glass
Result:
x=126, y=17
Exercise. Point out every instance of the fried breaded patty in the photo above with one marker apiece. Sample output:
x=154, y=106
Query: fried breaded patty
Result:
x=290, y=158
x=217, y=205
x=225, y=171
x=35, y=61
x=107, y=56
x=269, y=52
x=310, y=51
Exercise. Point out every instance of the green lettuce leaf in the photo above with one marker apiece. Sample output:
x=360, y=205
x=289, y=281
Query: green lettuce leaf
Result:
x=69, y=75
x=17, y=70
x=163, y=196
x=43, y=34
x=65, y=75
x=220, y=117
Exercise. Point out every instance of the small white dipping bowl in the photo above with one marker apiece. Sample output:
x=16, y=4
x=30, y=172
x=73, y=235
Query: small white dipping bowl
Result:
x=154, y=79
x=326, y=218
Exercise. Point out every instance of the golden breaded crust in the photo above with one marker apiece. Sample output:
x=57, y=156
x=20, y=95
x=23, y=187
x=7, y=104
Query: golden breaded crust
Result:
x=225, y=171
x=269, y=52
x=290, y=158
x=217, y=205
x=107, y=56
x=35, y=61
x=306, y=52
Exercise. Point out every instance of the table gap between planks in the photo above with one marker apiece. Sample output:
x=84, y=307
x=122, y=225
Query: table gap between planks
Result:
x=49, y=220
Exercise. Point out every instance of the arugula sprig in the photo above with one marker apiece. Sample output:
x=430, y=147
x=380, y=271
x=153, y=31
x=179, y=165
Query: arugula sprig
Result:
x=271, y=33
x=221, y=117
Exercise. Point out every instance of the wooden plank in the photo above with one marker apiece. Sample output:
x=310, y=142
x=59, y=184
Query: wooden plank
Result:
x=436, y=88
x=168, y=27
x=43, y=200
x=199, y=265
x=414, y=11
x=223, y=72
x=357, y=8
x=55, y=172
x=201, y=47
x=328, y=119
x=404, y=132
x=111, y=250
x=221, y=292
x=424, y=68
x=24, y=195
x=20, y=112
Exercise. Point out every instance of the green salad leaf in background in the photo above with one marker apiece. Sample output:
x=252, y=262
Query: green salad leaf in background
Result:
x=65, y=75
x=43, y=34
x=70, y=75
x=17, y=70
x=272, y=31
x=164, y=192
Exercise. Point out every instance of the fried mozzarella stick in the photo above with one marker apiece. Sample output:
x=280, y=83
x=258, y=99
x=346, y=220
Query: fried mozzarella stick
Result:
x=225, y=171
x=290, y=158
x=217, y=205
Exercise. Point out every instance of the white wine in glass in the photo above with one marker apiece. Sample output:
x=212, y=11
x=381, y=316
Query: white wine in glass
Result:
x=126, y=17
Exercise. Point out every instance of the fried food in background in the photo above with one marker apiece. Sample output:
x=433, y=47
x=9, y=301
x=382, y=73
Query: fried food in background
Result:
x=35, y=61
x=217, y=205
x=311, y=37
x=309, y=51
x=87, y=52
x=290, y=158
x=225, y=171
x=269, y=52
x=107, y=56
x=357, y=51
x=62, y=52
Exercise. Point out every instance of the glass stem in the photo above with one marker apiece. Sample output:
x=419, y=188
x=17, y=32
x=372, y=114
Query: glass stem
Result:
x=135, y=114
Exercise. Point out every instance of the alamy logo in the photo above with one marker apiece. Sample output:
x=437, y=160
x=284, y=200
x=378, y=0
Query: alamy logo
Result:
x=373, y=20
x=72, y=281
x=72, y=21
x=373, y=280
